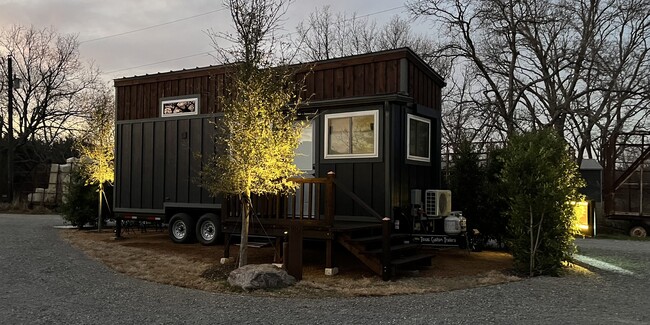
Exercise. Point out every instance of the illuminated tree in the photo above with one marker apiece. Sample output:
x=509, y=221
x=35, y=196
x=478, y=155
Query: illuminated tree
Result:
x=96, y=146
x=258, y=134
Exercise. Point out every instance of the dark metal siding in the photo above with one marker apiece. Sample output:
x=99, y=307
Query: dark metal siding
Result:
x=408, y=175
x=160, y=161
x=156, y=158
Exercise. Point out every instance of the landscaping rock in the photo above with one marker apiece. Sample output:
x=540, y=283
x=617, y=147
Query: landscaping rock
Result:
x=260, y=276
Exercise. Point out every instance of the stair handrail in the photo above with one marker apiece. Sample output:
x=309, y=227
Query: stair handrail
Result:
x=355, y=198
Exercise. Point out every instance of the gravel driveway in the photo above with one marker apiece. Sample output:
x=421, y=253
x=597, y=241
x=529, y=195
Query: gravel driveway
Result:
x=45, y=281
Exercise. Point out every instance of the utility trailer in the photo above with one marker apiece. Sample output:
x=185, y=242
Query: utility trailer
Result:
x=374, y=136
x=625, y=180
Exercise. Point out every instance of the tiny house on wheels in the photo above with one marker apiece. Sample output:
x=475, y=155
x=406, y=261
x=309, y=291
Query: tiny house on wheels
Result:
x=374, y=137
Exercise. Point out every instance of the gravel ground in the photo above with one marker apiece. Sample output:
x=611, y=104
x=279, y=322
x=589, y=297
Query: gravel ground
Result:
x=45, y=281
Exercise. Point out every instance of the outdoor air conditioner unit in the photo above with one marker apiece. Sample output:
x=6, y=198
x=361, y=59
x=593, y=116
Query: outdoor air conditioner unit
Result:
x=437, y=203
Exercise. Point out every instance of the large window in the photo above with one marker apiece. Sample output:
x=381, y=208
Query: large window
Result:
x=352, y=135
x=418, y=138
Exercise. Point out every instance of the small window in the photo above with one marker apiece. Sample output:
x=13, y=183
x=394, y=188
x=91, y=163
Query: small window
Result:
x=352, y=135
x=418, y=138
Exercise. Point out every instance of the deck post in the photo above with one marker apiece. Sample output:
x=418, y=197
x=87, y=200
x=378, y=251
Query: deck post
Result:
x=294, y=256
x=226, y=246
x=329, y=269
x=329, y=198
x=118, y=228
x=385, y=245
x=277, y=258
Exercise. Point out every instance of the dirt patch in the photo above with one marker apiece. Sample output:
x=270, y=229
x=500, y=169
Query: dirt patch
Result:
x=153, y=257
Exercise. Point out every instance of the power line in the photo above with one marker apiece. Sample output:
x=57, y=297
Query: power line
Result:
x=208, y=52
x=152, y=26
x=159, y=62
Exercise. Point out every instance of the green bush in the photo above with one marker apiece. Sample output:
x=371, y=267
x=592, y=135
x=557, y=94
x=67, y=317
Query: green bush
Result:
x=477, y=191
x=541, y=179
x=80, y=202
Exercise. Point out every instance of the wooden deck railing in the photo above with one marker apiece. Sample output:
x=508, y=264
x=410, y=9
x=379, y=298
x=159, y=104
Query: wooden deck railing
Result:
x=303, y=206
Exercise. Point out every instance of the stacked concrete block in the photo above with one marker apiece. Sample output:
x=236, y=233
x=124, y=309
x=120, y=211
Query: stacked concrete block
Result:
x=57, y=184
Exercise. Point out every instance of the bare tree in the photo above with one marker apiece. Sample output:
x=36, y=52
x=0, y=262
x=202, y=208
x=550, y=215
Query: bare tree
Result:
x=53, y=79
x=255, y=42
x=325, y=35
x=571, y=65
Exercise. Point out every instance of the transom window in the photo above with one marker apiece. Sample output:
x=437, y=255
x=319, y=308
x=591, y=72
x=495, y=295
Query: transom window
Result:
x=352, y=135
x=418, y=138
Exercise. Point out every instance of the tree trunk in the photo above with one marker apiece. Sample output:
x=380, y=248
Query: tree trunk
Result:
x=99, y=211
x=532, y=249
x=245, y=220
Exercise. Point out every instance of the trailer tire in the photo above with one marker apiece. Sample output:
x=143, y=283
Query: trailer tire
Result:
x=208, y=229
x=181, y=228
x=638, y=231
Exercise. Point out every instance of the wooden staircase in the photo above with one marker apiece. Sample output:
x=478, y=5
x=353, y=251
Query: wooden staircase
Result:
x=384, y=257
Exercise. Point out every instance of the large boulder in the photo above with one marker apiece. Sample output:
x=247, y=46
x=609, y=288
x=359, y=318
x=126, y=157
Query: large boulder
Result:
x=260, y=276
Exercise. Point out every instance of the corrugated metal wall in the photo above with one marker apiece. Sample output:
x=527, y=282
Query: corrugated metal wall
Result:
x=160, y=160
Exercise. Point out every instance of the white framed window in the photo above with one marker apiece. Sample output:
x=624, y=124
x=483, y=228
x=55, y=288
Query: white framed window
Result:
x=304, y=158
x=418, y=138
x=352, y=135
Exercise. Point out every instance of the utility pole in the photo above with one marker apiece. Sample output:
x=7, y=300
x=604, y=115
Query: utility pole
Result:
x=10, y=130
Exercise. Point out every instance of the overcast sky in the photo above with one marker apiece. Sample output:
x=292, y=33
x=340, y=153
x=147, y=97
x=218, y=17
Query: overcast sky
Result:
x=181, y=44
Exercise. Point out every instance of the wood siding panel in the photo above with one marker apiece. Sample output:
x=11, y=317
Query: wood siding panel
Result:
x=348, y=90
x=309, y=85
x=392, y=76
x=120, y=101
x=369, y=76
x=140, y=100
x=380, y=78
x=328, y=84
x=366, y=75
x=127, y=103
x=319, y=77
x=205, y=94
x=339, y=83
x=359, y=80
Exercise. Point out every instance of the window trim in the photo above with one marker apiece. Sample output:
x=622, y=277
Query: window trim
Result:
x=375, y=154
x=409, y=156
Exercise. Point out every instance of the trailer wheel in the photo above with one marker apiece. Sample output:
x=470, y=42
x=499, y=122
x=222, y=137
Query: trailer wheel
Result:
x=208, y=229
x=638, y=231
x=181, y=228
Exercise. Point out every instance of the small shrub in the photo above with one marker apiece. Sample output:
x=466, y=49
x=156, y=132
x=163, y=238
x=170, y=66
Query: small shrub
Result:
x=80, y=202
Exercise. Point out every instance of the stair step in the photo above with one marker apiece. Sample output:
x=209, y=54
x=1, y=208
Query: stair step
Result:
x=378, y=238
x=412, y=259
x=393, y=248
x=256, y=244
